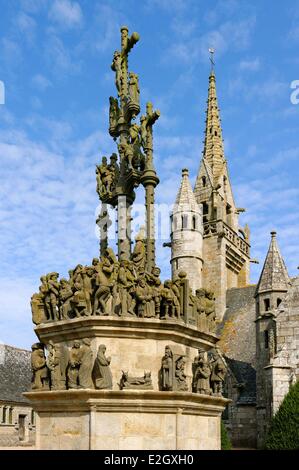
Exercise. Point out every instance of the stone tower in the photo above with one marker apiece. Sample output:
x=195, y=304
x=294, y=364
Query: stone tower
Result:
x=226, y=249
x=186, y=234
x=271, y=289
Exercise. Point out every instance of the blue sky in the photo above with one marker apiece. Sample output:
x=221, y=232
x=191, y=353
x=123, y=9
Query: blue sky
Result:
x=55, y=61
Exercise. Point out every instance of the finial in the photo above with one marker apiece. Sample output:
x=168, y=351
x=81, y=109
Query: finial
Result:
x=212, y=52
x=185, y=172
x=273, y=234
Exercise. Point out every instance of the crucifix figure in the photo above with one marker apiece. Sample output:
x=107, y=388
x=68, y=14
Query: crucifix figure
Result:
x=146, y=130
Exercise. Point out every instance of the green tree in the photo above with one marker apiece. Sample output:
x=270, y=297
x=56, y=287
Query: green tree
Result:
x=284, y=428
x=225, y=441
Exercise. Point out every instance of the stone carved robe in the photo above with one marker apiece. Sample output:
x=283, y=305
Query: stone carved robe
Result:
x=85, y=371
x=101, y=372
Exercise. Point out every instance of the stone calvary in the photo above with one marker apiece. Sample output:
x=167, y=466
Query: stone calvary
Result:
x=124, y=360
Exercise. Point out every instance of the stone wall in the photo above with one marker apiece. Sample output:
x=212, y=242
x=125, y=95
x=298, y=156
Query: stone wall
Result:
x=237, y=329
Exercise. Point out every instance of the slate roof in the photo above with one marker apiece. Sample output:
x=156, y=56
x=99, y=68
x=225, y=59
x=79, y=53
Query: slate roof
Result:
x=245, y=376
x=15, y=373
x=185, y=196
x=274, y=275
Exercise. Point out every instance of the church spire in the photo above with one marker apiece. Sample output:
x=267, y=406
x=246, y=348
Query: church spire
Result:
x=274, y=276
x=213, y=152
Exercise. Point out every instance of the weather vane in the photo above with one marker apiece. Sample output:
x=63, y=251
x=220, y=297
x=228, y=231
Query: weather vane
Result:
x=212, y=52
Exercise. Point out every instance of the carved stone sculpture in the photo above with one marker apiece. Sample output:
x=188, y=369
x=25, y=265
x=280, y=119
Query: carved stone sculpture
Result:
x=51, y=297
x=104, y=282
x=201, y=373
x=75, y=360
x=57, y=361
x=116, y=67
x=134, y=94
x=86, y=366
x=145, y=307
x=200, y=309
x=180, y=376
x=105, y=177
x=101, y=372
x=167, y=370
x=210, y=311
x=144, y=383
x=168, y=301
x=65, y=298
x=38, y=308
x=40, y=372
x=113, y=116
x=139, y=253
x=218, y=372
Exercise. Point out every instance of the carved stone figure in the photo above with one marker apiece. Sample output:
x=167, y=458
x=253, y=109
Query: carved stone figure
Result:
x=210, y=311
x=57, y=363
x=180, y=376
x=40, y=372
x=38, y=308
x=134, y=94
x=126, y=282
x=201, y=373
x=139, y=253
x=65, y=298
x=175, y=286
x=86, y=366
x=104, y=282
x=168, y=302
x=144, y=383
x=101, y=372
x=114, y=171
x=105, y=176
x=81, y=300
x=145, y=307
x=116, y=67
x=167, y=370
x=75, y=360
x=138, y=159
x=52, y=296
x=154, y=282
x=113, y=116
x=200, y=309
x=218, y=372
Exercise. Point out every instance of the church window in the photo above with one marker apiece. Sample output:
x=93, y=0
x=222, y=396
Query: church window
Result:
x=278, y=302
x=194, y=222
x=32, y=417
x=267, y=305
x=204, y=181
x=266, y=338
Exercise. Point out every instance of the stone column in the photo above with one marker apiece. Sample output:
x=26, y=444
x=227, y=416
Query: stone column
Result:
x=150, y=180
x=124, y=227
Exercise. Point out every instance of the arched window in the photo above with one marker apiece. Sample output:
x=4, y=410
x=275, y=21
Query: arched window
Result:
x=32, y=417
x=194, y=227
x=278, y=302
x=204, y=181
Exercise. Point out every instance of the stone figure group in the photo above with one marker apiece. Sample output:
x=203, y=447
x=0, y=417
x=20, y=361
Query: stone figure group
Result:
x=129, y=382
x=203, y=305
x=209, y=371
x=173, y=377
x=107, y=176
x=70, y=368
x=110, y=287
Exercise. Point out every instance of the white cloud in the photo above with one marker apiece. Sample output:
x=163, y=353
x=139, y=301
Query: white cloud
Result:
x=66, y=13
x=250, y=65
x=26, y=25
x=40, y=82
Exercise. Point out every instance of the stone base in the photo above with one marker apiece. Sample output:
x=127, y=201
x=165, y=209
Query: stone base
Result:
x=126, y=419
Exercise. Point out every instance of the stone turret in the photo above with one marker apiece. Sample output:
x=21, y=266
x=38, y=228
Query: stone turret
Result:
x=225, y=245
x=186, y=234
x=271, y=290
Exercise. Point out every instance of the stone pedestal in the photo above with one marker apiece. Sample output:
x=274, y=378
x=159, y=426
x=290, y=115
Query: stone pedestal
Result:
x=128, y=419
